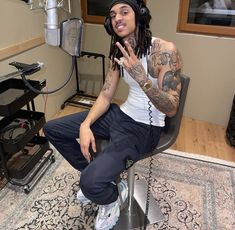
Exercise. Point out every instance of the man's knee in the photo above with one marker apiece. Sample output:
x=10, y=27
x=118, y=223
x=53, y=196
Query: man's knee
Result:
x=47, y=128
x=88, y=184
x=52, y=130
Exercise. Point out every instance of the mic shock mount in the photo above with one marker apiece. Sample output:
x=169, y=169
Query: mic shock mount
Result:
x=26, y=69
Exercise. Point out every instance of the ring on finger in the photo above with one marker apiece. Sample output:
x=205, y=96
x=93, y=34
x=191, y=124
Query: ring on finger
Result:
x=121, y=61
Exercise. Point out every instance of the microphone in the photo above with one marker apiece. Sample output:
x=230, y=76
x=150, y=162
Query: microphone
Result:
x=52, y=31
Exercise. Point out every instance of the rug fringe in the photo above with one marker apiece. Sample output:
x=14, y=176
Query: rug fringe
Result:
x=200, y=157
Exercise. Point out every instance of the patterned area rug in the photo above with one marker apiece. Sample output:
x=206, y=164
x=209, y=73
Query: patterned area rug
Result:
x=194, y=192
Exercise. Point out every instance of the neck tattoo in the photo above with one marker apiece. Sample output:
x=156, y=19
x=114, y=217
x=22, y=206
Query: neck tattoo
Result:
x=132, y=41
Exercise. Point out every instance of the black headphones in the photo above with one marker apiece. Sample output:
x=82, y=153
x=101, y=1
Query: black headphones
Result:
x=142, y=13
x=16, y=130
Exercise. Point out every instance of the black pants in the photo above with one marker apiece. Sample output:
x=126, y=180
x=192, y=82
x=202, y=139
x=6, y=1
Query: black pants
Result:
x=128, y=140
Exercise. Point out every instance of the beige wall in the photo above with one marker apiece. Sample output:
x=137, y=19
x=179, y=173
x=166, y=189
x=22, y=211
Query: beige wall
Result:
x=18, y=24
x=209, y=61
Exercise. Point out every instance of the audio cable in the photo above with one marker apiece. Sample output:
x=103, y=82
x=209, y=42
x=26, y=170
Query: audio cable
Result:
x=26, y=70
x=149, y=180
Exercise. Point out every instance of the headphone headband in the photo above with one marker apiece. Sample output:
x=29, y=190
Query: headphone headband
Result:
x=139, y=8
x=132, y=3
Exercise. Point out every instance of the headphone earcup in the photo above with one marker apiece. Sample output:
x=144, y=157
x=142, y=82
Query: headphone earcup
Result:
x=143, y=11
x=145, y=17
x=108, y=26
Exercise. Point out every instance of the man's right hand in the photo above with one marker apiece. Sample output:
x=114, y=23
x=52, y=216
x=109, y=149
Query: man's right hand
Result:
x=87, y=139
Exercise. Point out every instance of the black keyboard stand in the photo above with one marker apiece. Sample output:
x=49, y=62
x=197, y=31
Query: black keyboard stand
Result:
x=79, y=98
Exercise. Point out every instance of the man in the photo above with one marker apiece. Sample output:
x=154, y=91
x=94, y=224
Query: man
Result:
x=151, y=67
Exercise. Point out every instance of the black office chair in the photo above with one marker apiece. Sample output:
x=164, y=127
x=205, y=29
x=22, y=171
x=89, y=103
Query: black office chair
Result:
x=133, y=215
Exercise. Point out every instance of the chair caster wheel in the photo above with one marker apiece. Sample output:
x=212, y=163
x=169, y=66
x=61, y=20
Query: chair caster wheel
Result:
x=26, y=189
x=52, y=158
x=62, y=106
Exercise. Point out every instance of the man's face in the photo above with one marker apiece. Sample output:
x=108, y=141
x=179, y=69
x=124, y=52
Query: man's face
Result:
x=123, y=20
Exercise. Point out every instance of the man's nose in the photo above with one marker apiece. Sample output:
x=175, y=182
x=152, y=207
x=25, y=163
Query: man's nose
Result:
x=118, y=17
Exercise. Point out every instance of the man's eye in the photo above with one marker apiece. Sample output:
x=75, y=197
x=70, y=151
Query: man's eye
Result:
x=125, y=12
x=112, y=16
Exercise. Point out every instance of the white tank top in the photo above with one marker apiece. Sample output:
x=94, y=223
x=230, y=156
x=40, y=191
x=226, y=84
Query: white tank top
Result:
x=136, y=105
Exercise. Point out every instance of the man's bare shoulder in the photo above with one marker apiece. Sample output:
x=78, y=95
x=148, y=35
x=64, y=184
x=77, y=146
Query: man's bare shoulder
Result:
x=163, y=45
x=164, y=54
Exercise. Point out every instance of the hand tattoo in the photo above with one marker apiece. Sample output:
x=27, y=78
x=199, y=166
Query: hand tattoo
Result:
x=137, y=72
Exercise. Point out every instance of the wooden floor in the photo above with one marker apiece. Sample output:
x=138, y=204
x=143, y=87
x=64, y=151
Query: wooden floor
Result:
x=195, y=137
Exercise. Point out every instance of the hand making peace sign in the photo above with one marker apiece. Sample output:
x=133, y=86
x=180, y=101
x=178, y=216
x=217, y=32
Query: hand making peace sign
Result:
x=130, y=62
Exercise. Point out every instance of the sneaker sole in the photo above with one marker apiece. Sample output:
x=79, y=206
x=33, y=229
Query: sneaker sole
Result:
x=85, y=202
x=115, y=220
x=125, y=195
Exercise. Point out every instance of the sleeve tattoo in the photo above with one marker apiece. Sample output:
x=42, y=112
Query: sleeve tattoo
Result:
x=107, y=83
x=166, y=99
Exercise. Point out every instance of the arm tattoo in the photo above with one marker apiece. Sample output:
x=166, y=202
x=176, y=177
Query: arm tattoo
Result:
x=107, y=84
x=159, y=57
x=166, y=99
x=171, y=59
x=171, y=80
x=161, y=99
x=155, y=53
x=151, y=70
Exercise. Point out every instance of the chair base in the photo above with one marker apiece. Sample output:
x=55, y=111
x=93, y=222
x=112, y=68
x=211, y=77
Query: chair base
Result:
x=132, y=217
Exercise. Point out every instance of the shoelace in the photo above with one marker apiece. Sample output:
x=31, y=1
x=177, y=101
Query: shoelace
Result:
x=102, y=212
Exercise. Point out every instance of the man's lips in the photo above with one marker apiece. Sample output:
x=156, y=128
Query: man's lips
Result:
x=120, y=26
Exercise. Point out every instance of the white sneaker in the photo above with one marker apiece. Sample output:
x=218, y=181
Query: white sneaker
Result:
x=82, y=199
x=108, y=214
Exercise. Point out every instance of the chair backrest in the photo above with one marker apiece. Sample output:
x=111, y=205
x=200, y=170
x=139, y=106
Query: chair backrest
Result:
x=172, y=124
